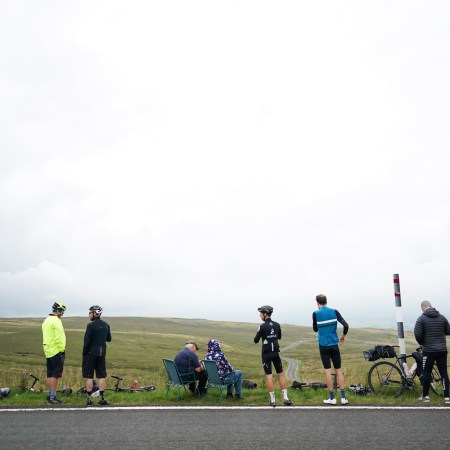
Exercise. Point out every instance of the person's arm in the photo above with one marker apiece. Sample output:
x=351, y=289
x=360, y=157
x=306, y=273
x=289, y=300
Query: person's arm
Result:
x=418, y=331
x=108, y=336
x=258, y=335
x=342, y=321
x=447, y=328
x=279, y=332
x=195, y=362
x=315, y=327
x=87, y=340
x=60, y=337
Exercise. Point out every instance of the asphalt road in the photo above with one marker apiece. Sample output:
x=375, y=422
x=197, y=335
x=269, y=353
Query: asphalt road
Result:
x=228, y=428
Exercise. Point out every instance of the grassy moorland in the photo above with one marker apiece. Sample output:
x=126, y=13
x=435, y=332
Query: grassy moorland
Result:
x=139, y=344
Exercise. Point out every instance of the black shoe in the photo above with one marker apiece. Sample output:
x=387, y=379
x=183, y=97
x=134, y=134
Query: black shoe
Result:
x=239, y=397
x=89, y=401
x=229, y=395
x=272, y=404
x=288, y=403
x=103, y=402
x=54, y=401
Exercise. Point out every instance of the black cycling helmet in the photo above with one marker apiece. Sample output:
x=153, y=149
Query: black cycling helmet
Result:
x=97, y=310
x=59, y=307
x=266, y=309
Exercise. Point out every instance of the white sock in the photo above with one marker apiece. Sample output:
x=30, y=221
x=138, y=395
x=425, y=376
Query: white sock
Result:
x=272, y=396
x=285, y=396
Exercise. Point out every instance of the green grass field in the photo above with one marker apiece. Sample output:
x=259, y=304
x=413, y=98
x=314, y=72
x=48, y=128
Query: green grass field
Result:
x=139, y=344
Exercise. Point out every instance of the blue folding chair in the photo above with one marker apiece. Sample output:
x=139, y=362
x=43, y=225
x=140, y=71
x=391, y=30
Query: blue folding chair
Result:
x=214, y=378
x=175, y=378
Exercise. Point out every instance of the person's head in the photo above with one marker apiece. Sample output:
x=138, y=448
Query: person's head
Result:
x=95, y=312
x=59, y=309
x=321, y=300
x=425, y=305
x=265, y=311
x=192, y=346
x=214, y=346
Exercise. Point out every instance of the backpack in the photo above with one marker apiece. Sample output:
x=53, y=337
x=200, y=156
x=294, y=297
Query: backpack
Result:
x=379, y=351
x=248, y=384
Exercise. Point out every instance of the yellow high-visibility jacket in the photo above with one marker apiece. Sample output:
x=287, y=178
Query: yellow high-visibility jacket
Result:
x=54, y=337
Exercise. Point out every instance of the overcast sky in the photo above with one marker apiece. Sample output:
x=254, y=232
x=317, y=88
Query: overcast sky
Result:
x=200, y=158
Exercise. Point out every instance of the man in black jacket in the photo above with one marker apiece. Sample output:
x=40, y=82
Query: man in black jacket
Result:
x=270, y=333
x=97, y=334
x=430, y=331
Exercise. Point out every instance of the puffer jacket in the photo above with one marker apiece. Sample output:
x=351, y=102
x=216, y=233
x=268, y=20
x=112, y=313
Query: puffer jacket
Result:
x=430, y=331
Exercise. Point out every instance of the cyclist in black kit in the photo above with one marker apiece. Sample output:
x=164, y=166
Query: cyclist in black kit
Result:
x=97, y=334
x=270, y=333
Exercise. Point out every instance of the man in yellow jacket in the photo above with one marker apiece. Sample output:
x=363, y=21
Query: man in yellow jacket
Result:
x=54, y=340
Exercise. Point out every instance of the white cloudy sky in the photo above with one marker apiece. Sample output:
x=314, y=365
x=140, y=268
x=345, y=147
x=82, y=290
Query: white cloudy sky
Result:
x=201, y=158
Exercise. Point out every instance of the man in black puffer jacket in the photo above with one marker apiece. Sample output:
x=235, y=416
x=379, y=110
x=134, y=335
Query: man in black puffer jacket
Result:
x=430, y=331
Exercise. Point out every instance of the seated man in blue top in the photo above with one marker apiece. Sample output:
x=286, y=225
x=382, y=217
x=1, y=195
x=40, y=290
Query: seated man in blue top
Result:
x=325, y=322
x=187, y=361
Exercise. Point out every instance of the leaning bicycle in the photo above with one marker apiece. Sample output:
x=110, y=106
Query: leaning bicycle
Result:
x=392, y=379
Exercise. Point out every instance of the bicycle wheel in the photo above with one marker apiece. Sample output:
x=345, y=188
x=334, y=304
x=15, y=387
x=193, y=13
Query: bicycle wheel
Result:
x=385, y=378
x=436, y=382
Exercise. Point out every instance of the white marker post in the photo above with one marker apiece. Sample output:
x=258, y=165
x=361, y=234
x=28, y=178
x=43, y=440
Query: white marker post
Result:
x=399, y=315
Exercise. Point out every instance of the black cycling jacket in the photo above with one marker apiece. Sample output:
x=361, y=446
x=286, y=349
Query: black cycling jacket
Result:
x=270, y=333
x=97, y=334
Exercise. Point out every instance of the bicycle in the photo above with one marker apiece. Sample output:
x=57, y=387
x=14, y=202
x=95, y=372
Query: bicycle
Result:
x=35, y=380
x=118, y=388
x=392, y=379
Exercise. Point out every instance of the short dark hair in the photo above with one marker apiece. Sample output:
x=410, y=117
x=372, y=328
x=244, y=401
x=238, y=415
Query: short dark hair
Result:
x=321, y=299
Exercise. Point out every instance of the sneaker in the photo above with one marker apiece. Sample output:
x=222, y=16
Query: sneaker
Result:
x=425, y=399
x=89, y=402
x=229, y=395
x=328, y=401
x=288, y=402
x=272, y=404
x=54, y=401
x=344, y=401
x=103, y=402
x=239, y=397
x=447, y=400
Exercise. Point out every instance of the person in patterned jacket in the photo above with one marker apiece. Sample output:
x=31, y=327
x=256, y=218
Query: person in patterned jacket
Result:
x=215, y=354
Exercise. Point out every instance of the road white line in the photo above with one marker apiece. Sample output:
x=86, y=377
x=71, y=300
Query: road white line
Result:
x=234, y=408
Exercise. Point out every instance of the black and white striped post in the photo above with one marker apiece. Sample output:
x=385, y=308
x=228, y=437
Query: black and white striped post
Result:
x=399, y=315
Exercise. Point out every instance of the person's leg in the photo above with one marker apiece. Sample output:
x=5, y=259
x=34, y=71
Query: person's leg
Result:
x=267, y=366
x=441, y=362
x=101, y=385
x=54, y=371
x=89, y=385
x=428, y=361
x=269, y=383
x=100, y=371
x=238, y=384
x=335, y=355
x=281, y=379
x=329, y=382
x=325, y=356
x=53, y=385
x=87, y=370
x=202, y=378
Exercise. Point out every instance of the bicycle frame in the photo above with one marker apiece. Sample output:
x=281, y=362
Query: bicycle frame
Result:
x=117, y=387
x=387, y=378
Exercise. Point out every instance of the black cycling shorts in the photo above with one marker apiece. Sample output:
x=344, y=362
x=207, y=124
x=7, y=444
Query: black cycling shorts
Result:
x=55, y=366
x=272, y=358
x=93, y=363
x=330, y=354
